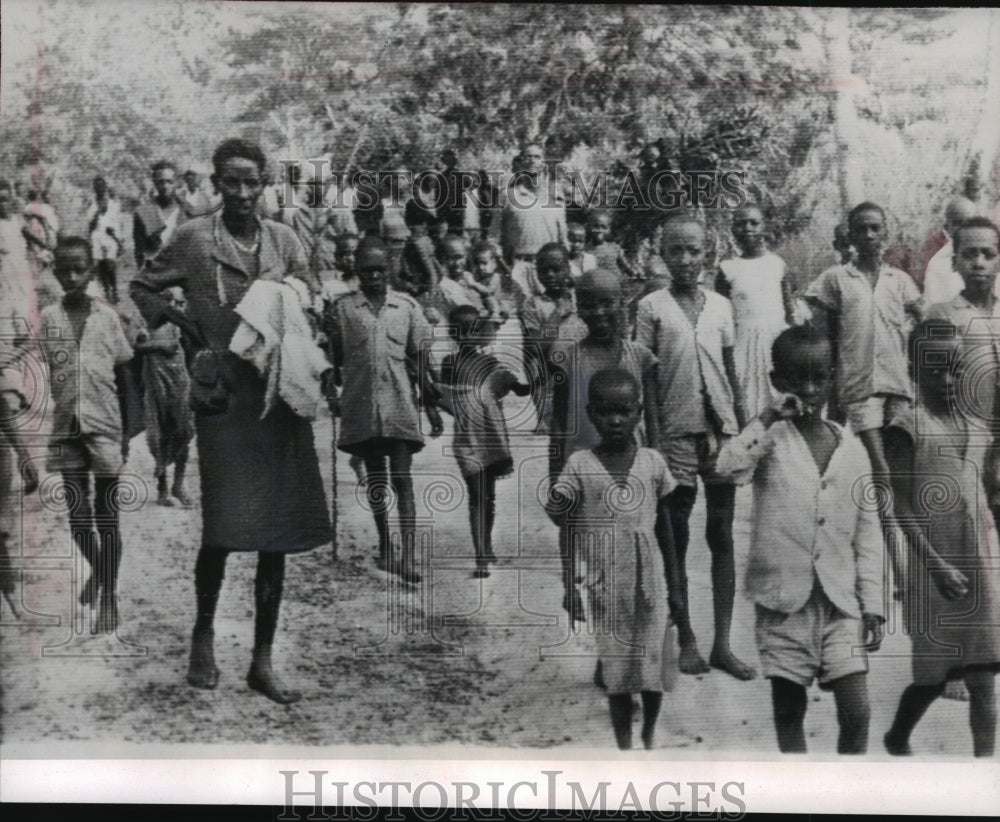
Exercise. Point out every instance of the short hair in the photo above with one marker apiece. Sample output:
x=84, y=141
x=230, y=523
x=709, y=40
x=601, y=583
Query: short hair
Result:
x=461, y=313
x=483, y=248
x=608, y=378
x=595, y=213
x=372, y=242
x=159, y=165
x=243, y=149
x=346, y=237
x=684, y=215
x=794, y=339
x=975, y=222
x=929, y=330
x=553, y=248
x=750, y=206
x=70, y=242
x=861, y=208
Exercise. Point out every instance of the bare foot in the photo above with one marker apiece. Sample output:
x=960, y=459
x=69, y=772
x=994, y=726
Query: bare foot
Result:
x=107, y=615
x=896, y=748
x=731, y=665
x=88, y=595
x=955, y=689
x=691, y=662
x=262, y=679
x=202, y=672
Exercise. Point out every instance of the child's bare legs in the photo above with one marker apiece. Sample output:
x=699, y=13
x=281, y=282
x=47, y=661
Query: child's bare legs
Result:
x=720, y=501
x=162, y=488
x=110, y=547
x=398, y=478
x=853, y=713
x=982, y=711
x=268, y=586
x=681, y=504
x=913, y=704
x=917, y=699
x=377, y=491
x=209, y=571
x=651, y=701
x=620, y=706
x=177, y=490
x=482, y=509
x=81, y=526
x=789, y=700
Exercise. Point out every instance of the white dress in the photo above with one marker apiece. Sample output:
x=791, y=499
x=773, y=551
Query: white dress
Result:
x=759, y=313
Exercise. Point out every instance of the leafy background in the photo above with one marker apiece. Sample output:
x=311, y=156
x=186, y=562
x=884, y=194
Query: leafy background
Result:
x=820, y=108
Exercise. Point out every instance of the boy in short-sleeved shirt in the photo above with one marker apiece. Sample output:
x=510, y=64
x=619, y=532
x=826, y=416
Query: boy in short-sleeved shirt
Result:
x=866, y=308
x=84, y=343
x=690, y=332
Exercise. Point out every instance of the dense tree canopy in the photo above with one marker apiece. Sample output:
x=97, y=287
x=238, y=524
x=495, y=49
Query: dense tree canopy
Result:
x=105, y=86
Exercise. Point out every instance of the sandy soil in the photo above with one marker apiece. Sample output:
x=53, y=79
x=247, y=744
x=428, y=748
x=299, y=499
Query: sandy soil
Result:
x=456, y=660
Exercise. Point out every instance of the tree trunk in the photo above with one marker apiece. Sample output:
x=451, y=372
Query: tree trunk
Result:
x=845, y=119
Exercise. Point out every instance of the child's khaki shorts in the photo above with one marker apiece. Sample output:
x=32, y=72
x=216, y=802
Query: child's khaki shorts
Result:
x=694, y=455
x=875, y=411
x=819, y=641
x=97, y=453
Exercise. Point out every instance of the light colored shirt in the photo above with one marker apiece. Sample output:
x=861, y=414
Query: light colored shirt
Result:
x=103, y=245
x=807, y=526
x=458, y=292
x=580, y=265
x=690, y=365
x=941, y=282
x=372, y=349
x=529, y=220
x=980, y=332
x=872, y=328
x=82, y=372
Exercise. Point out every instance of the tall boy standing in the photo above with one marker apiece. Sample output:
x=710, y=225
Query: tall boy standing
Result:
x=690, y=331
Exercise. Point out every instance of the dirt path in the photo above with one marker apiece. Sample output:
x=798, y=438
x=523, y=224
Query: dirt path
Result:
x=456, y=660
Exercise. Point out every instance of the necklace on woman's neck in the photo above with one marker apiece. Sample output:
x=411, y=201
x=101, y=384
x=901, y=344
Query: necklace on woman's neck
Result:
x=248, y=249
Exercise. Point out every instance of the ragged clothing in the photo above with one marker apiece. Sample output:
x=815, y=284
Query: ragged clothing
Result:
x=275, y=335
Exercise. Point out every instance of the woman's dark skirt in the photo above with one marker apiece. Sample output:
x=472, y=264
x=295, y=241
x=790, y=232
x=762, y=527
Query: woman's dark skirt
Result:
x=261, y=488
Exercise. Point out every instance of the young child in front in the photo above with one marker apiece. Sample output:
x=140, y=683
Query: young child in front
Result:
x=951, y=599
x=478, y=382
x=815, y=564
x=379, y=337
x=624, y=569
x=699, y=404
x=84, y=344
x=542, y=315
x=756, y=285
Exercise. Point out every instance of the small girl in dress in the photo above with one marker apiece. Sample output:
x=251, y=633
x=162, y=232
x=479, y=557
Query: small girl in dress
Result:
x=478, y=382
x=612, y=500
x=756, y=284
x=951, y=607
